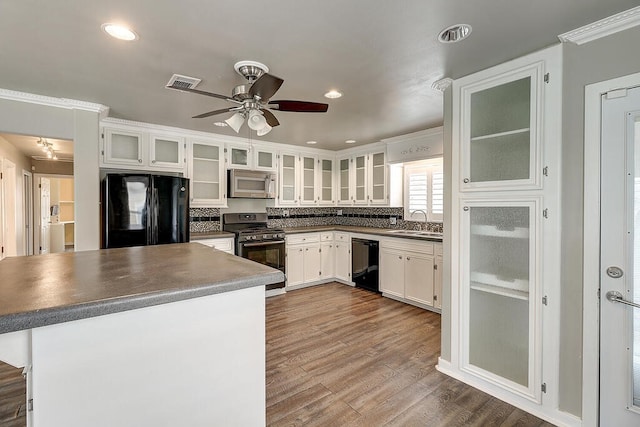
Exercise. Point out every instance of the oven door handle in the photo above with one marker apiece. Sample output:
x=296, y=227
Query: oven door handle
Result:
x=250, y=245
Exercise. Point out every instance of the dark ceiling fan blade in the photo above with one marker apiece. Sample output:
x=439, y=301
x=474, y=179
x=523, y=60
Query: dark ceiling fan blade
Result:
x=271, y=119
x=299, y=106
x=265, y=86
x=213, y=113
x=202, y=92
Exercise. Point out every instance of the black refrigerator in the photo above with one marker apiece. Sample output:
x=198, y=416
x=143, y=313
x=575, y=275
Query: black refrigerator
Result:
x=139, y=210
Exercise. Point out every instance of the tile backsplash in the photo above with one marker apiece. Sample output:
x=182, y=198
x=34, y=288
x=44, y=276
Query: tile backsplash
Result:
x=210, y=219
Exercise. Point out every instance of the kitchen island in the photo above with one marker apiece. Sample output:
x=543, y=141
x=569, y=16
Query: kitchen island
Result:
x=156, y=335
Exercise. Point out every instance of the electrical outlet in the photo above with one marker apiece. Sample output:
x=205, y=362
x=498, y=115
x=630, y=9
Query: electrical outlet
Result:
x=339, y=212
x=393, y=220
x=285, y=213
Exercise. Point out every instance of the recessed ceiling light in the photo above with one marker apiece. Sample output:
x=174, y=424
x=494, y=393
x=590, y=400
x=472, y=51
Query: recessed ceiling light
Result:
x=350, y=141
x=332, y=94
x=454, y=33
x=312, y=142
x=119, y=32
x=220, y=124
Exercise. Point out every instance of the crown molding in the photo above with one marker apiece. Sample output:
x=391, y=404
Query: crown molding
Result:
x=442, y=84
x=49, y=101
x=604, y=27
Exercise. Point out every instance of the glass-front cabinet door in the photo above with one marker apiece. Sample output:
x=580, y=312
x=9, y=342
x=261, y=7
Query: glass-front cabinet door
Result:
x=360, y=179
x=377, y=178
x=166, y=152
x=207, y=174
x=123, y=147
x=238, y=157
x=264, y=160
x=501, y=135
x=288, y=179
x=344, y=181
x=326, y=181
x=308, y=178
x=500, y=292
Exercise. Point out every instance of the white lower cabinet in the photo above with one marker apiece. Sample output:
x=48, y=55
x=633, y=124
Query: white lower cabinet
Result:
x=327, y=256
x=342, y=257
x=224, y=244
x=407, y=271
x=437, y=277
x=303, y=264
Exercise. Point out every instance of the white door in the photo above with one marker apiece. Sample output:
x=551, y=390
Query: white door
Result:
x=45, y=214
x=27, y=212
x=620, y=260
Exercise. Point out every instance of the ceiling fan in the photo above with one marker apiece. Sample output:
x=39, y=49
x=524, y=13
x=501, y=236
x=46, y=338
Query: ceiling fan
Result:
x=253, y=99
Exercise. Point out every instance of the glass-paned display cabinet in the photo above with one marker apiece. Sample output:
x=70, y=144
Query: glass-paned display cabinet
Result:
x=500, y=282
x=501, y=142
x=326, y=181
x=377, y=179
x=360, y=179
x=207, y=174
x=308, y=184
x=344, y=181
x=288, y=180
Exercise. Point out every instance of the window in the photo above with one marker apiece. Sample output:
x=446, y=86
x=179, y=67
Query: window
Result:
x=424, y=190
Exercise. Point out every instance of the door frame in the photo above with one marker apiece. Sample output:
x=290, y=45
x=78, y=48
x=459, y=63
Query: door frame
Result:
x=591, y=249
x=27, y=211
x=36, y=205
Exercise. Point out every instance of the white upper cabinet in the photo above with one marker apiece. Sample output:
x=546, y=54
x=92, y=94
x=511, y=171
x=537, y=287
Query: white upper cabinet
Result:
x=309, y=180
x=128, y=147
x=363, y=179
x=207, y=173
x=238, y=157
x=264, y=159
x=288, y=176
x=167, y=152
x=326, y=182
x=377, y=178
x=344, y=181
x=501, y=134
x=122, y=147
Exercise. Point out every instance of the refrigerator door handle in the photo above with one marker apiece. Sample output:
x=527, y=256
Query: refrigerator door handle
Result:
x=154, y=216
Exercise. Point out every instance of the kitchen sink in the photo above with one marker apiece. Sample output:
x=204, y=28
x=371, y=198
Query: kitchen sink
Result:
x=416, y=233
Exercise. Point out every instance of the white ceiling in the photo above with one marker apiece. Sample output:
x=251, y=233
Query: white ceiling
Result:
x=382, y=54
x=29, y=147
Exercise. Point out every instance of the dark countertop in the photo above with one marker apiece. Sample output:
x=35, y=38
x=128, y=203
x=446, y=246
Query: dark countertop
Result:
x=210, y=235
x=48, y=289
x=385, y=232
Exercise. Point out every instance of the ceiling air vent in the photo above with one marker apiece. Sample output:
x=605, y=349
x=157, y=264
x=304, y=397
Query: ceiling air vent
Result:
x=178, y=81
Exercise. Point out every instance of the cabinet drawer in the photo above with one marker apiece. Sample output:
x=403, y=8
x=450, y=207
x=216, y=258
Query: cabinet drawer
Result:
x=408, y=245
x=297, y=239
x=223, y=244
x=341, y=237
x=326, y=236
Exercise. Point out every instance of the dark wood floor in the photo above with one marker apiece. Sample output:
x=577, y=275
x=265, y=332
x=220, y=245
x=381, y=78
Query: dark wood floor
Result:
x=340, y=356
x=13, y=390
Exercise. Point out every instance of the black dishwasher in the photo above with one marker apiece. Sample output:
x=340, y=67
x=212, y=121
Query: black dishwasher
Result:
x=364, y=264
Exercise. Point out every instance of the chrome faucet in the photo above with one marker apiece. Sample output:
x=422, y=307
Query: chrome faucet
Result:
x=423, y=212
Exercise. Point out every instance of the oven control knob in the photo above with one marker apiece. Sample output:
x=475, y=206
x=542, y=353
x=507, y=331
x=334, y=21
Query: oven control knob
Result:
x=275, y=236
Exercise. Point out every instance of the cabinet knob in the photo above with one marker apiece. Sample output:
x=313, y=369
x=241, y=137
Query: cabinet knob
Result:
x=408, y=259
x=399, y=256
x=466, y=208
x=466, y=180
x=139, y=160
x=153, y=161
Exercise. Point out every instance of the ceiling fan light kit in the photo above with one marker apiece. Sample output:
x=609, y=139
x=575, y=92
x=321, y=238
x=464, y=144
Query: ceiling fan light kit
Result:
x=253, y=99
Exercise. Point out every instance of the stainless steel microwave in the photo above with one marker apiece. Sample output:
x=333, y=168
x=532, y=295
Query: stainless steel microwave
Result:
x=250, y=184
